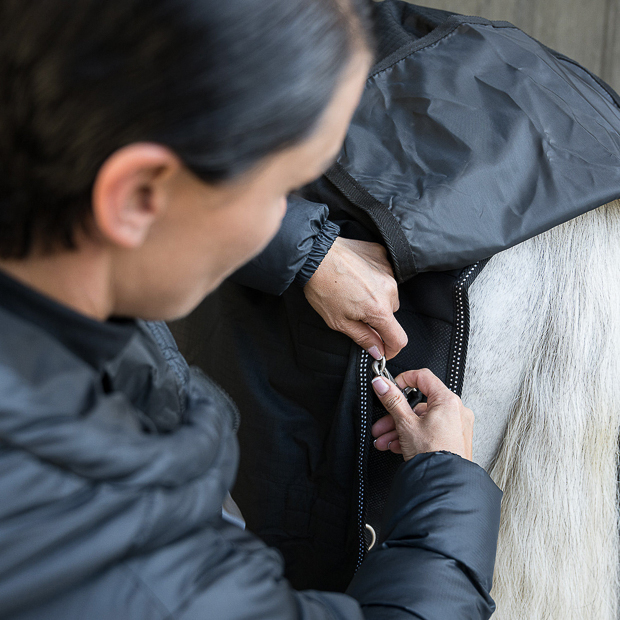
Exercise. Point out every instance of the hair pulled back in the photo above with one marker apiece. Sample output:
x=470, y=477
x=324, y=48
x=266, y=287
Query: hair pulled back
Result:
x=221, y=83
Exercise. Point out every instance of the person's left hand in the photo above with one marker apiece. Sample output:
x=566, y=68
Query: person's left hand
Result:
x=354, y=291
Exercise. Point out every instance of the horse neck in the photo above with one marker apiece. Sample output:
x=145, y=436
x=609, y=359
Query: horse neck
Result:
x=543, y=380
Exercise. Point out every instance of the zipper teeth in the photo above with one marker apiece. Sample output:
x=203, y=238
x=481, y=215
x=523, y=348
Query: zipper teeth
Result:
x=453, y=380
x=457, y=366
x=362, y=450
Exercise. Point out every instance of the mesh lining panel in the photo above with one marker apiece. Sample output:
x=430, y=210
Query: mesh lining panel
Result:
x=397, y=24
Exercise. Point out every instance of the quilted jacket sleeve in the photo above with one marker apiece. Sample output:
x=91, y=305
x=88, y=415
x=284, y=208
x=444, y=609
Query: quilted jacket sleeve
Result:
x=434, y=563
x=305, y=237
x=437, y=553
x=116, y=523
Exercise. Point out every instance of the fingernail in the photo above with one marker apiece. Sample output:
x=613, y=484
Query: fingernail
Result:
x=380, y=385
x=374, y=443
x=389, y=444
x=374, y=351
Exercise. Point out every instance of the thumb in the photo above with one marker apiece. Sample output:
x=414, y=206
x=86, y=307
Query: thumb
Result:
x=406, y=421
x=365, y=336
x=429, y=384
x=394, y=401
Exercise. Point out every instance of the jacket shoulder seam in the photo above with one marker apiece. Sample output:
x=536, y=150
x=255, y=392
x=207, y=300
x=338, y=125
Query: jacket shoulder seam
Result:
x=167, y=614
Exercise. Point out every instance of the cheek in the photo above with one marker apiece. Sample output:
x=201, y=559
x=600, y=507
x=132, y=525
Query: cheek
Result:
x=252, y=229
x=269, y=220
x=281, y=212
x=278, y=216
x=266, y=225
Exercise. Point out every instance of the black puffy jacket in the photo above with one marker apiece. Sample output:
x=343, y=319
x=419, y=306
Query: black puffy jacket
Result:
x=115, y=459
x=470, y=137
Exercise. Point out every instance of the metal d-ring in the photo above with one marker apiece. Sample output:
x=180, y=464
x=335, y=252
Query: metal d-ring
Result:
x=380, y=370
x=373, y=536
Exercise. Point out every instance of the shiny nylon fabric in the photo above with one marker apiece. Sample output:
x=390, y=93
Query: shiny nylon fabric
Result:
x=108, y=516
x=477, y=137
x=471, y=136
x=305, y=235
x=84, y=486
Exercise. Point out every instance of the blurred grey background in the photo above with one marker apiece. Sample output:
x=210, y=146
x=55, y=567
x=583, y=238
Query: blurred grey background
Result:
x=586, y=30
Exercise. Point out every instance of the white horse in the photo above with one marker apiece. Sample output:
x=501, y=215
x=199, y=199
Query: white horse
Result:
x=543, y=378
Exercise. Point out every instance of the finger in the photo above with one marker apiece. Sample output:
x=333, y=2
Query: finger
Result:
x=430, y=385
x=420, y=409
x=390, y=442
x=393, y=335
x=382, y=442
x=393, y=400
x=394, y=446
x=365, y=336
x=384, y=425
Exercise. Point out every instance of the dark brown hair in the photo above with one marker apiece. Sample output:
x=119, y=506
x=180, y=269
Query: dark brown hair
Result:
x=221, y=83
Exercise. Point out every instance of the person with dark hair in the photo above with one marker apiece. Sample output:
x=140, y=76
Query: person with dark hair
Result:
x=146, y=151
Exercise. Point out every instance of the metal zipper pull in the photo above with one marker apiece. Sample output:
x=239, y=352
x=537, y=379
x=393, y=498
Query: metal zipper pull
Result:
x=380, y=370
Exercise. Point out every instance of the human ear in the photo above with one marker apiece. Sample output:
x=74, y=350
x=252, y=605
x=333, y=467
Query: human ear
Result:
x=131, y=191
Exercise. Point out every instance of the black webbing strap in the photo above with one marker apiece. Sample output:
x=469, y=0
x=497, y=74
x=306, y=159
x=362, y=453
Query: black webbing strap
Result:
x=380, y=215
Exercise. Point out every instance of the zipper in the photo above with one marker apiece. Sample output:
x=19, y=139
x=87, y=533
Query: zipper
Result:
x=455, y=383
x=460, y=341
x=364, y=423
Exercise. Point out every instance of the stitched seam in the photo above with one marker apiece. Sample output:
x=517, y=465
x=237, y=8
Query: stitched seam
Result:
x=413, y=614
x=450, y=25
x=333, y=611
x=608, y=89
x=168, y=614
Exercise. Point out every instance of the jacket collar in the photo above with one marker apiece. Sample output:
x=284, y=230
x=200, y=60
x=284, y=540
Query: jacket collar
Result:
x=95, y=342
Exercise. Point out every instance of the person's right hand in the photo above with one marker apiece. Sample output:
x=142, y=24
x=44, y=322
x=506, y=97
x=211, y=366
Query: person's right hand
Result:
x=355, y=292
x=442, y=423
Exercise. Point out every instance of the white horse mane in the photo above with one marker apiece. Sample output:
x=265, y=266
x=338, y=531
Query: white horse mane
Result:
x=543, y=378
